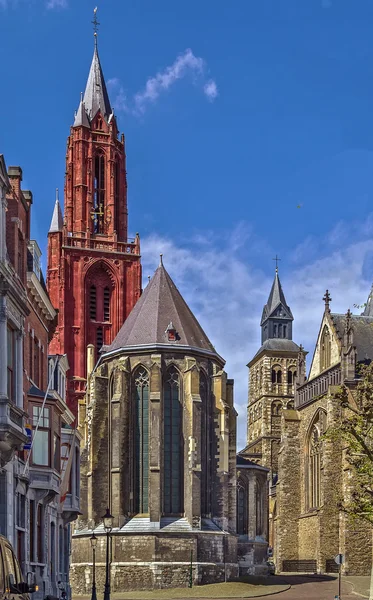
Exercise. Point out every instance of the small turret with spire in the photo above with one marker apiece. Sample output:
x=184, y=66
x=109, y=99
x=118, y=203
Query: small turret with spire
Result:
x=57, y=220
x=277, y=317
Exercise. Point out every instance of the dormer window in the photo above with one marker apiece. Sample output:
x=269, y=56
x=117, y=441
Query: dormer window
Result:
x=171, y=333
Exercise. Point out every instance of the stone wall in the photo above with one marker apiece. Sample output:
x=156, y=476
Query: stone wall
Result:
x=159, y=560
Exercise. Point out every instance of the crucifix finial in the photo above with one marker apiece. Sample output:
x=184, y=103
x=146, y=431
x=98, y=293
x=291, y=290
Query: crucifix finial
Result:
x=277, y=259
x=95, y=25
x=327, y=299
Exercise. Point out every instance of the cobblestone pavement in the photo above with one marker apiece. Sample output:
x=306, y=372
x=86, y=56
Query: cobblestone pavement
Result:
x=315, y=588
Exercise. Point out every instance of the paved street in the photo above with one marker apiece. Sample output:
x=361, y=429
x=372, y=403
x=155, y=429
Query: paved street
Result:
x=312, y=588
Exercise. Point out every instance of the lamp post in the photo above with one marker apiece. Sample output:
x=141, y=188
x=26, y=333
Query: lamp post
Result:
x=108, y=526
x=93, y=541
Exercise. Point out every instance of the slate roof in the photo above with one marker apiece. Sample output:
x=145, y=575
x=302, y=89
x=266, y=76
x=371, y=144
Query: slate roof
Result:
x=57, y=220
x=368, y=310
x=34, y=391
x=280, y=344
x=276, y=297
x=241, y=461
x=161, y=304
x=95, y=96
x=81, y=118
x=362, y=333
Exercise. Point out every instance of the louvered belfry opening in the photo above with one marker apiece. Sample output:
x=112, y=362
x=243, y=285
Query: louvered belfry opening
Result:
x=99, y=297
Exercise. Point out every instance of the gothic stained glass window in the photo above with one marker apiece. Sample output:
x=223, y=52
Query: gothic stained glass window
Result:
x=325, y=349
x=173, y=449
x=205, y=447
x=242, y=508
x=141, y=432
x=314, y=456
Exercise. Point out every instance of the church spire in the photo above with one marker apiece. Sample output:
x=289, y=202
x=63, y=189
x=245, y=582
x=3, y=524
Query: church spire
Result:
x=368, y=309
x=95, y=97
x=277, y=317
x=57, y=220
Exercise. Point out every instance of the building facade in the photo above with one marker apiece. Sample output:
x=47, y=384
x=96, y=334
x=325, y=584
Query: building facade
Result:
x=272, y=374
x=94, y=271
x=32, y=515
x=314, y=478
x=160, y=452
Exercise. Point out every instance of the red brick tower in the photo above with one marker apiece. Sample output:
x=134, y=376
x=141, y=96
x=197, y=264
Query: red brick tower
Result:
x=94, y=272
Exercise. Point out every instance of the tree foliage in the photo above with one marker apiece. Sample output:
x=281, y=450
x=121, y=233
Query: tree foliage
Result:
x=355, y=430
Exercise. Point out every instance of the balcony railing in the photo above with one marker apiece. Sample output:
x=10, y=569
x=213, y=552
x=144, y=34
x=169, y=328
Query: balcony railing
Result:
x=318, y=386
x=102, y=244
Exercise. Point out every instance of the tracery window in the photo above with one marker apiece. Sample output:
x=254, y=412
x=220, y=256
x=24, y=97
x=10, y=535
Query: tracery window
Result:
x=141, y=440
x=99, y=194
x=173, y=472
x=314, y=460
x=205, y=446
x=325, y=349
x=242, y=508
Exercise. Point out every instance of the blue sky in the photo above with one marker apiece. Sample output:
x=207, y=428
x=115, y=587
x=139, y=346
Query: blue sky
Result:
x=257, y=141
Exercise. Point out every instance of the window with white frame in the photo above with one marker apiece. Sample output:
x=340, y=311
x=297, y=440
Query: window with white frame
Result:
x=41, y=444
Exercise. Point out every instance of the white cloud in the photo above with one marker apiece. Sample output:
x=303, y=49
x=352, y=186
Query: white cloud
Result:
x=227, y=294
x=184, y=65
x=51, y=4
x=211, y=90
x=119, y=99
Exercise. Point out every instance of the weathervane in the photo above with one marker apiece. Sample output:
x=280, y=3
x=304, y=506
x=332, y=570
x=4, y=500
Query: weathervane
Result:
x=95, y=24
x=276, y=259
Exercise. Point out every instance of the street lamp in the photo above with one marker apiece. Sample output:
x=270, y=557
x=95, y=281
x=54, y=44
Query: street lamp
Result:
x=108, y=526
x=93, y=541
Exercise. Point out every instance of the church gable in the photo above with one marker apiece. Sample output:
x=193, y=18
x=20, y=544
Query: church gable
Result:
x=328, y=347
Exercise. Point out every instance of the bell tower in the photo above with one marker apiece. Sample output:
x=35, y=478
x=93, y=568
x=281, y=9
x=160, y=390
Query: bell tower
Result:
x=272, y=374
x=94, y=271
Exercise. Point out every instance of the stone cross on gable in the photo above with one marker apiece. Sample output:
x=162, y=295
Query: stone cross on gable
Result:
x=327, y=299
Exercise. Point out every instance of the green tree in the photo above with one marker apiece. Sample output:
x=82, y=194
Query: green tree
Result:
x=355, y=431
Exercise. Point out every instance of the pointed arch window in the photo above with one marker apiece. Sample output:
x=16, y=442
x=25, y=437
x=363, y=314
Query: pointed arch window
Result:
x=205, y=447
x=325, y=349
x=99, y=194
x=173, y=472
x=242, y=508
x=314, y=460
x=141, y=441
